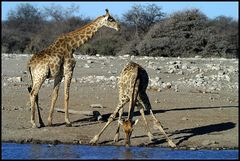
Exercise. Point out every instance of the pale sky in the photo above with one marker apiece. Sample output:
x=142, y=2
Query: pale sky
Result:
x=95, y=9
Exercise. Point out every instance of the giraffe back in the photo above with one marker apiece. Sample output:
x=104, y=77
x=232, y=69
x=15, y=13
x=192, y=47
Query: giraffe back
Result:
x=130, y=74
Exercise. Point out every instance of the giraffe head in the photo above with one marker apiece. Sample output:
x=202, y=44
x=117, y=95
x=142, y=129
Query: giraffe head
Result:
x=128, y=128
x=110, y=22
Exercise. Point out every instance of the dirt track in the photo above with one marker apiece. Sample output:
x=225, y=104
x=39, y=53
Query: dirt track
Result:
x=199, y=111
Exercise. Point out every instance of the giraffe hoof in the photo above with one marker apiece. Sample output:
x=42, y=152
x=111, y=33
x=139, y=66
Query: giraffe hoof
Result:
x=155, y=127
x=152, y=140
x=42, y=125
x=34, y=126
x=92, y=143
x=116, y=138
x=171, y=144
x=150, y=136
x=50, y=122
x=68, y=125
x=94, y=140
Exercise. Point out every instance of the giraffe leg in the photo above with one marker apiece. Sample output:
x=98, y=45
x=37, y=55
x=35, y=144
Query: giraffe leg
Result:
x=110, y=119
x=33, y=95
x=38, y=107
x=39, y=114
x=157, y=123
x=69, y=64
x=150, y=135
x=159, y=126
x=133, y=98
x=32, y=100
x=116, y=138
x=67, y=82
x=57, y=83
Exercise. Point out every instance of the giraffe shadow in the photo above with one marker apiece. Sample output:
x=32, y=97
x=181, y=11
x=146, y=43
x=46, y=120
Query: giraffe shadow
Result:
x=188, y=133
x=202, y=130
x=185, y=133
x=105, y=117
x=156, y=142
x=57, y=124
x=89, y=121
x=137, y=113
x=194, y=108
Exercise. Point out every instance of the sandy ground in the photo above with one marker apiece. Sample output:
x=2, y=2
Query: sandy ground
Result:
x=191, y=118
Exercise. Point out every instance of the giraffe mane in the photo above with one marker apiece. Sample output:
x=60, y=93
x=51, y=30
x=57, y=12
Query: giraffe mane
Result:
x=83, y=27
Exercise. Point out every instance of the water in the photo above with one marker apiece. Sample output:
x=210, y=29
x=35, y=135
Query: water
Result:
x=65, y=151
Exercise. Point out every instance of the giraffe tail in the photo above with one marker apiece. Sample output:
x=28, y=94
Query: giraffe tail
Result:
x=30, y=75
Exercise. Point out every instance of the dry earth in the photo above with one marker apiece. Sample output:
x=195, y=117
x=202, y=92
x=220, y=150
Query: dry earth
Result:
x=195, y=99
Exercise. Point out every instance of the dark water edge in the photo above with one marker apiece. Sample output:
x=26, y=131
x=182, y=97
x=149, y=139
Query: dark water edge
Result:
x=67, y=151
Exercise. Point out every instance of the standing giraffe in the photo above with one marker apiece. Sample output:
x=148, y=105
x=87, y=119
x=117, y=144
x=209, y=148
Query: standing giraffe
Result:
x=132, y=84
x=57, y=61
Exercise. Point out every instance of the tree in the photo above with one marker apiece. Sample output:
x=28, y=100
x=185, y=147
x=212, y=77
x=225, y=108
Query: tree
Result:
x=181, y=34
x=143, y=17
x=21, y=24
x=188, y=33
x=25, y=18
x=59, y=13
x=225, y=39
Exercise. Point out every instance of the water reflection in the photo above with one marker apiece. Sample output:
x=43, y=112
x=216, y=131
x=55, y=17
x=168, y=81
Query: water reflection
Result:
x=35, y=151
x=45, y=151
x=128, y=154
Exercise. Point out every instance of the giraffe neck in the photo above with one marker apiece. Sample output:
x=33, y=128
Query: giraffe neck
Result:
x=80, y=36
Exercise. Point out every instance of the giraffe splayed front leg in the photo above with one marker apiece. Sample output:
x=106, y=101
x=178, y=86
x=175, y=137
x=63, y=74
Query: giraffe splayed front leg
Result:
x=116, y=138
x=158, y=125
x=110, y=119
x=144, y=101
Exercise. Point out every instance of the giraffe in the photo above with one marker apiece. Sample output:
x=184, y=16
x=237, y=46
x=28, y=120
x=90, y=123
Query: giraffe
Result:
x=132, y=85
x=57, y=61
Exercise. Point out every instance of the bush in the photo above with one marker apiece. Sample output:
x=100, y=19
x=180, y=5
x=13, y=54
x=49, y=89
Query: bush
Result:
x=186, y=34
